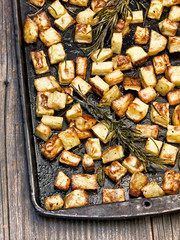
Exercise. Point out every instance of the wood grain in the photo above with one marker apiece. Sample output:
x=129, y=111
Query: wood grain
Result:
x=18, y=219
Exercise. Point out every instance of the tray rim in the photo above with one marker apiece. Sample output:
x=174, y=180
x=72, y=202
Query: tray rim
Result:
x=140, y=207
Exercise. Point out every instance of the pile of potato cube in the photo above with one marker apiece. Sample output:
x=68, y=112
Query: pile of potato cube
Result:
x=107, y=72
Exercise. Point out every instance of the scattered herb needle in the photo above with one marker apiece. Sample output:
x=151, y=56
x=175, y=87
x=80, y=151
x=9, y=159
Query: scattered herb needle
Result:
x=108, y=17
x=100, y=175
x=118, y=184
x=126, y=136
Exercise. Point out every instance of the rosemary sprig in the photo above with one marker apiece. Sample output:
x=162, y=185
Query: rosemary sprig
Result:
x=128, y=137
x=108, y=17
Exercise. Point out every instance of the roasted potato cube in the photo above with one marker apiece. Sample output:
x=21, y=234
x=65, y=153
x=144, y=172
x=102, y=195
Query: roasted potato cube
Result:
x=122, y=27
x=83, y=33
x=148, y=77
x=133, y=164
x=81, y=134
x=66, y=72
x=76, y=198
x=84, y=181
x=141, y=35
x=169, y=152
x=176, y=116
x=113, y=195
x=56, y=53
x=81, y=85
x=85, y=122
x=69, y=138
x=160, y=113
x=102, y=55
x=86, y=17
x=101, y=68
x=64, y=22
x=121, y=104
x=42, y=105
x=137, y=55
x=132, y=83
x=160, y=63
x=42, y=21
x=112, y=153
x=157, y=43
x=174, y=44
x=68, y=91
x=38, y=3
x=53, y=122
x=116, y=43
x=99, y=86
x=174, y=13
x=62, y=181
x=137, y=17
x=172, y=74
x=153, y=146
x=69, y=158
x=171, y=182
x=88, y=163
x=52, y=147
x=56, y=9
x=43, y=132
x=111, y=95
x=115, y=171
x=30, y=31
x=122, y=62
x=173, y=134
x=155, y=9
x=54, y=202
x=93, y=148
x=47, y=83
x=57, y=100
x=114, y=77
x=137, y=110
x=168, y=27
x=152, y=189
x=174, y=97
x=101, y=130
x=50, y=37
x=147, y=131
x=164, y=86
x=74, y=112
x=81, y=3
x=147, y=94
x=39, y=62
x=137, y=182
x=97, y=5
x=81, y=66
x=168, y=3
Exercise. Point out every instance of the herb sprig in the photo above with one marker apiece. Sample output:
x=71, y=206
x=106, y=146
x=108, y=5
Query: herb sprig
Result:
x=128, y=137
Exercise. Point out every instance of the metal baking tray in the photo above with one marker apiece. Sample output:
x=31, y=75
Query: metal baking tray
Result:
x=42, y=173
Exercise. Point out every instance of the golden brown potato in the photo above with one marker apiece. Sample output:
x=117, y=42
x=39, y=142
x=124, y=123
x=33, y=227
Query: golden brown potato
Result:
x=153, y=146
x=137, y=182
x=169, y=152
x=76, y=198
x=141, y=35
x=122, y=27
x=114, y=77
x=171, y=182
x=172, y=74
x=39, y=62
x=50, y=37
x=147, y=94
x=133, y=164
x=97, y=5
x=147, y=131
x=116, y=42
x=152, y=189
x=102, y=55
x=66, y=72
x=88, y=163
x=52, y=147
x=69, y=138
x=155, y=9
x=43, y=132
x=84, y=181
x=74, y=112
x=83, y=33
x=112, y=153
x=168, y=27
x=69, y=158
x=164, y=86
x=168, y=3
x=137, y=55
x=176, y=116
x=62, y=181
x=47, y=83
x=173, y=134
x=42, y=21
x=101, y=68
x=157, y=43
x=113, y=94
x=56, y=53
x=81, y=3
x=174, y=97
x=113, y=195
x=64, y=22
x=42, y=104
x=68, y=91
x=160, y=114
x=81, y=134
x=122, y=62
x=56, y=9
x=148, y=77
x=81, y=85
x=57, y=100
x=85, y=122
x=81, y=67
x=54, y=122
x=98, y=85
x=160, y=63
x=174, y=44
x=54, y=202
x=93, y=148
x=115, y=171
x=132, y=83
x=86, y=17
x=38, y=3
x=30, y=31
x=174, y=13
x=137, y=17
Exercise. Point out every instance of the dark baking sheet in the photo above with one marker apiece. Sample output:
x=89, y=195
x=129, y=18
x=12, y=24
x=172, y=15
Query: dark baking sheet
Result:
x=42, y=173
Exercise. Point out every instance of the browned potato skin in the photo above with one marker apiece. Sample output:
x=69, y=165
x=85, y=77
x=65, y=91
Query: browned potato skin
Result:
x=137, y=182
x=52, y=147
x=123, y=27
x=81, y=66
x=76, y=198
x=68, y=161
x=54, y=202
x=42, y=21
x=132, y=83
x=64, y=181
x=113, y=195
x=123, y=62
x=39, y=62
x=29, y=26
x=84, y=181
x=81, y=134
x=174, y=97
x=112, y=170
x=141, y=35
x=176, y=116
x=88, y=163
x=85, y=122
x=152, y=128
x=171, y=182
x=160, y=63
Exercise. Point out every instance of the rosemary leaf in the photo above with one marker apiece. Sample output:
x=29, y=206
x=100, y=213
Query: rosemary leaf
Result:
x=100, y=176
x=118, y=184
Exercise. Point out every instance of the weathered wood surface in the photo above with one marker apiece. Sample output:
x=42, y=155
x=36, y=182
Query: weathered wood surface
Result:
x=18, y=220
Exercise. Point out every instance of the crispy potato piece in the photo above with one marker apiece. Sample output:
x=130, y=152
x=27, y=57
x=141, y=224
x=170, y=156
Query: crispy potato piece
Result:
x=155, y=9
x=116, y=43
x=152, y=189
x=88, y=163
x=86, y=17
x=30, y=31
x=137, y=55
x=148, y=77
x=172, y=74
x=97, y=5
x=64, y=22
x=153, y=146
x=83, y=33
x=76, y=198
x=173, y=134
x=99, y=86
x=113, y=195
x=113, y=94
x=147, y=94
x=54, y=122
x=160, y=63
x=81, y=67
x=174, y=97
x=115, y=171
x=69, y=158
x=171, y=182
x=57, y=100
x=174, y=44
x=132, y=83
x=81, y=85
x=133, y=164
x=68, y=91
x=174, y=13
x=54, y=202
x=157, y=43
x=137, y=182
x=50, y=37
x=69, y=138
x=168, y=27
x=81, y=134
x=74, y=112
x=112, y=153
x=43, y=132
x=52, y=147
x=101, y=68
x=85, y=122
x=102, y=55
x=176, y=116
x=56, y=53
x=168, y=3
x=66, y=72
x=93, y=148
x=42, y=21
x=169, y=152
x=164, y=86
x=56, y=9
x=47, y=83
x=147, y=131
x=114, y=77
x=122, y=27
x=39, y=62
x=42, y=105
x=38, y=3
x=141, y=35
x=62, y=181
x=122, y=62
x=84, y=181
x=137, y=17
x=81, y=3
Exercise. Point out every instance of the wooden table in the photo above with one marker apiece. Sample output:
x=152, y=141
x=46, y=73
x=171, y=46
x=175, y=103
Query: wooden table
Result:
x=18, y=219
